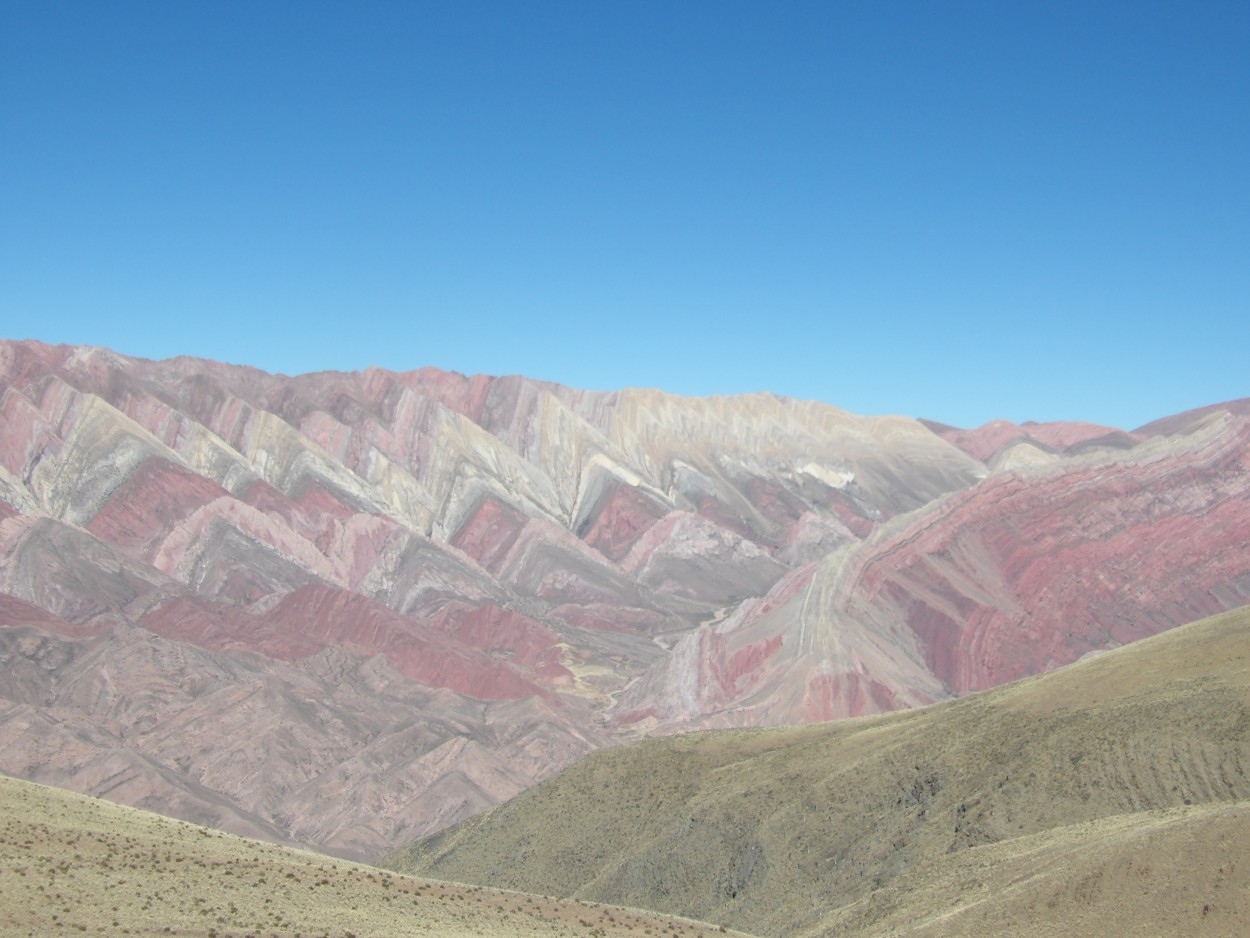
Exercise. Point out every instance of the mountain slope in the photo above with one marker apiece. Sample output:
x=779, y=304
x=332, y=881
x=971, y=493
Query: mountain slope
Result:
x=1021, y=573
x=334, y=749
x=1178, y=871
x=73, y=864
x=850, y=827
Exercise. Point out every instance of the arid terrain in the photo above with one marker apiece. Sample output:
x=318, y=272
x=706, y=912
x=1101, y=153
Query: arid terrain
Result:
x=346, y=610
x=71, y=864
x=1109, y=797
x=624, y=469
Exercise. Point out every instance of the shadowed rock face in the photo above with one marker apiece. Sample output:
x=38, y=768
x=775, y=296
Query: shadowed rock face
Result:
x=353, y=608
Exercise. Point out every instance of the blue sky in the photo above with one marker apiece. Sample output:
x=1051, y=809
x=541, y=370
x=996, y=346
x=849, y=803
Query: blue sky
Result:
x=959, y=211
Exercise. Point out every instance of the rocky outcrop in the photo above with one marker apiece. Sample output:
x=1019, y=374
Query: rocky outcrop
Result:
x=516, y=573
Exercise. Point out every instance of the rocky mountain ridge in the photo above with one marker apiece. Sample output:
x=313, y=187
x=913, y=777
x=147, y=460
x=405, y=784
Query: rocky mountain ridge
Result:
x=349, y=609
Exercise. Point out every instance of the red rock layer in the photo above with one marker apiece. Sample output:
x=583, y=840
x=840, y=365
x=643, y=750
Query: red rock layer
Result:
x=1022, y=575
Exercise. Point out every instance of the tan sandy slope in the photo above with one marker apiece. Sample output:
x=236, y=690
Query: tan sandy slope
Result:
x=1109, y=797
x=75, y=865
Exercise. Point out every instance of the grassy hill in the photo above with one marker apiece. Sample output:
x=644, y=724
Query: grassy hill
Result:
x=1108, y=797
x=74, y=865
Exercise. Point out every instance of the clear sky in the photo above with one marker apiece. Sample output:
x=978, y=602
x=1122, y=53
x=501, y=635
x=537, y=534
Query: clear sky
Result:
x=959, y=211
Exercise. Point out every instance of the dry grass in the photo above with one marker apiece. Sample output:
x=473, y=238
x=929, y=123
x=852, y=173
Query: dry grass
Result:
x=72, y=865
x=1181, y=871
x=1088, y=800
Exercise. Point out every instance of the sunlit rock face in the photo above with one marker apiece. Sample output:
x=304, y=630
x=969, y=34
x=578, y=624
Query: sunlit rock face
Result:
x=350, y=609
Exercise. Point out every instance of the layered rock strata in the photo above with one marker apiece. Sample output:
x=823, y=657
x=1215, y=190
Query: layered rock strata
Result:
x=349, y=609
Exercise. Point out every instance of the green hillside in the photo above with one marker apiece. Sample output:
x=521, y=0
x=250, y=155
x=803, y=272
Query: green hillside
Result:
x=1109, y=796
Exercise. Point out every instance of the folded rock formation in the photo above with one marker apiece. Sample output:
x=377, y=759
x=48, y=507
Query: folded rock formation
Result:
x=350, y=609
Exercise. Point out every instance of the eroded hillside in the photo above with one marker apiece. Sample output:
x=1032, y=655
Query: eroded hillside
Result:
x=1111, y=797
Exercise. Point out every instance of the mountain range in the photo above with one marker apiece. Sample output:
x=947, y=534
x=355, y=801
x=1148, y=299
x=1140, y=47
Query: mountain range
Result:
x=351, y=609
